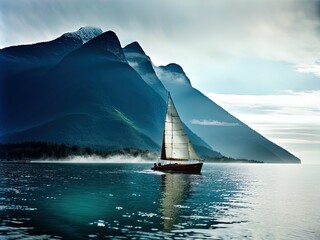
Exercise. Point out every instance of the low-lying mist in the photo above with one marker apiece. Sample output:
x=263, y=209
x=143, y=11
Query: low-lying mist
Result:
x=97, y=159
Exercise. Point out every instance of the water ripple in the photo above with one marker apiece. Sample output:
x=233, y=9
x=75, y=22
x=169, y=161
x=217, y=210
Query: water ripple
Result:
x=121, y=201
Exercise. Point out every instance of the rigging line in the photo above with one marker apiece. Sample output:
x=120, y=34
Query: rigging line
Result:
x=171, y=133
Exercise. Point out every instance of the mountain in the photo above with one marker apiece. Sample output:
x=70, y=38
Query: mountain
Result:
x=216, y=126
x=84, y=89
x=222, y=131
x=85, y=99
x=88, y=96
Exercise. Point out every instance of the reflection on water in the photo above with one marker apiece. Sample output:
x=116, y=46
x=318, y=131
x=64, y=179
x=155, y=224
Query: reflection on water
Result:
x=176, y=188
x=93, y=201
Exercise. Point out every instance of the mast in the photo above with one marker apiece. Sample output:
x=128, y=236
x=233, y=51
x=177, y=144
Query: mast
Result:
x=175, y=143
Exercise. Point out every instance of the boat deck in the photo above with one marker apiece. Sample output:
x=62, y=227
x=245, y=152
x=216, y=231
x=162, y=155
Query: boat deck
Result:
x=175, y=167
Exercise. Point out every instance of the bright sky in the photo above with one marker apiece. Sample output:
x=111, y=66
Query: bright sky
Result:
x=260, y=60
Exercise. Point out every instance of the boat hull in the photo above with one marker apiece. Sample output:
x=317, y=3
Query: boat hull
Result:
x=182, y=168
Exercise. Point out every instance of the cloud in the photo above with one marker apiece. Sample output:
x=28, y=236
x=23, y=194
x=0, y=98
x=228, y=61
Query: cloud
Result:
x=282, y=30
x=290, y=119
x=312, y=68
x=287, y=102
x=205, y=122
x=202, y=36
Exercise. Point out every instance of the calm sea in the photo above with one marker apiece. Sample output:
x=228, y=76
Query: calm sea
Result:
x=95, y=201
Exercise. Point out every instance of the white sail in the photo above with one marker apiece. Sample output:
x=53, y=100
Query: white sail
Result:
x=176, y=144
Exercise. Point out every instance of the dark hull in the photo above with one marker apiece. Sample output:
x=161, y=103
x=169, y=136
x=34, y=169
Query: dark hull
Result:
x=182, y=168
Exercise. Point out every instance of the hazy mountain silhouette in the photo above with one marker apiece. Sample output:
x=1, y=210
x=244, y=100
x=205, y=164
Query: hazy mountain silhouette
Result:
x=215, y=125
x=222, y=131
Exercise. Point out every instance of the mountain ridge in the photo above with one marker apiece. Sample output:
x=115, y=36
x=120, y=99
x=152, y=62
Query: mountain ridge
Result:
x=107, y=41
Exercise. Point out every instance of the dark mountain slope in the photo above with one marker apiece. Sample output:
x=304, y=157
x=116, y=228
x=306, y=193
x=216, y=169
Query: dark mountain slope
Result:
x=92, y=97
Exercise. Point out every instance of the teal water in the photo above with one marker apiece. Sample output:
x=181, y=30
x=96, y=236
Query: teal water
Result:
x=94, y=201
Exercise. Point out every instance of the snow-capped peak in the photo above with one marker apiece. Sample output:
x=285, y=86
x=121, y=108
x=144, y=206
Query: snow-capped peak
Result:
x=85, y=33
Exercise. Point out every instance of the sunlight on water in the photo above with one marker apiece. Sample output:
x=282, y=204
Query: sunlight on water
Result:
x=92, y=201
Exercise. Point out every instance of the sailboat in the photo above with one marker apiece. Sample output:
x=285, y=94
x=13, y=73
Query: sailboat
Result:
x=176, y=145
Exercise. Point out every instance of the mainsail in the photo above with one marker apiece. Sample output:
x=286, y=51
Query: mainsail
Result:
x=176, y=144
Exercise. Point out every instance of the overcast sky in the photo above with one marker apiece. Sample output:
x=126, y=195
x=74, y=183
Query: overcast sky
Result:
x=266, y=53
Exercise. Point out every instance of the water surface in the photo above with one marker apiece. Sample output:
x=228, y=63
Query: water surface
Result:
x=93, y=201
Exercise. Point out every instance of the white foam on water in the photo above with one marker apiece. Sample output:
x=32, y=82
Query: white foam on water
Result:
x=149, y=171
